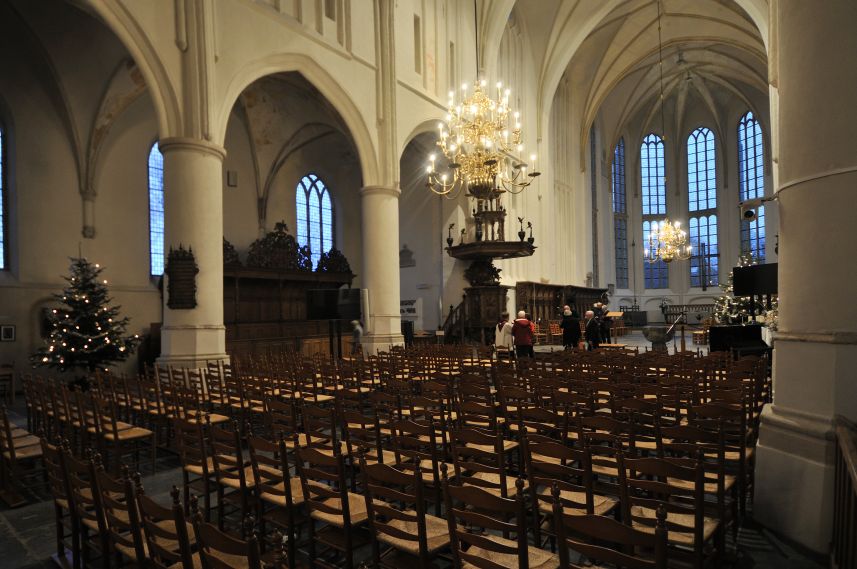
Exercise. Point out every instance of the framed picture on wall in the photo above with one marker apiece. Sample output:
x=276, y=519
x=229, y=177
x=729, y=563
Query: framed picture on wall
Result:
x=7, y=333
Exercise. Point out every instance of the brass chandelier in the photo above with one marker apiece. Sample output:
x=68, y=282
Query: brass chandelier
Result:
x=667, y=242
x=480, y=142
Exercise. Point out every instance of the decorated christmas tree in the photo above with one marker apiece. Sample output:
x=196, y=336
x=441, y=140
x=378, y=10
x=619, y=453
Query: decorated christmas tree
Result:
x=86, y=333
x=731, y=309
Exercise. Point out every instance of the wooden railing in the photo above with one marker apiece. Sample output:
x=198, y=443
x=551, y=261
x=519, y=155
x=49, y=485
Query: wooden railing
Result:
x=844, y=554
x=453, y=326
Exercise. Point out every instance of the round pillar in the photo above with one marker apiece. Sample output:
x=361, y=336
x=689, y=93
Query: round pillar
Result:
x=816, y=345
x=193, y=219
x=381, y=310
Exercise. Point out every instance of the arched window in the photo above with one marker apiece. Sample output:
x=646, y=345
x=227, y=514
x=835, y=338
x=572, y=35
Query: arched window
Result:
x=4, y=242
x=653, y=182
x=620, y=215
x=314, y=216
x=702, y=199
x=156, y=211
x=751, y=171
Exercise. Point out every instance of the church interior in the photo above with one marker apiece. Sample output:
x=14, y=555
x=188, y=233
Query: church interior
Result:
x=435, y=283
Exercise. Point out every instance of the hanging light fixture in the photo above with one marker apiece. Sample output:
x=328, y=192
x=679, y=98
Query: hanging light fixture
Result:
x=667, y=240
x=479, y=143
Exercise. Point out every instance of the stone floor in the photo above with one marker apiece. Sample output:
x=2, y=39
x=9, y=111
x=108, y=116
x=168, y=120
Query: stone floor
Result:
x=27, y=533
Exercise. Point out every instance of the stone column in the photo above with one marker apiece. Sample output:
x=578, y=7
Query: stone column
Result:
x=380, y=205
x=193, y=217
x=816, y=347
x=380, y=201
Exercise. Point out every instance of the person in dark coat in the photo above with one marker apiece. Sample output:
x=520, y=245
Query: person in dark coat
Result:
x=522, y=332
x=570, y=328
x=593, y=330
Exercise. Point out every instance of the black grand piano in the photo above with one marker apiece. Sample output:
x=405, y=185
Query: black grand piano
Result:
x=746, y=339
x=741, y=340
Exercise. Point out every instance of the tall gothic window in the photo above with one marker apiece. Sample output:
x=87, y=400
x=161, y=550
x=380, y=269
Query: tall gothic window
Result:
x=4, y=202
x=156, y=211
x=314, y=216
x=653, y=181
x=702, y=205
x=620, y=215
x=751, y=170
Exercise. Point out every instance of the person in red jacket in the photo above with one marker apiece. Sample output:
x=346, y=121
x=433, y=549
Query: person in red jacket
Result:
x=522, y=332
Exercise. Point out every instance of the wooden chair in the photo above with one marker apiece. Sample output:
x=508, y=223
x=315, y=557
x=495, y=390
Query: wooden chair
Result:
x=93, y=535
x=234, y=475
x=397, y=518
x=651, y=483
x=169, y=538
x=479, y=460
x=328, y=501
x=197, y=465
x=279, y=496
x=588, y=536
x=115, y=501
x=552, y=464
x=19, y=461
x=115, y=434
x=480, y=526
x=416, y=445
x=64, y=518
x=219, y=550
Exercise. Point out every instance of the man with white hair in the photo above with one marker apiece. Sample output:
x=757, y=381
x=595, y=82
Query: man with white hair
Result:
x=522, y=331
x=593, y=330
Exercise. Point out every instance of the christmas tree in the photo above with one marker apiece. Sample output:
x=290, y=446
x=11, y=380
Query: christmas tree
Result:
x=85, y=333
x=731, y=309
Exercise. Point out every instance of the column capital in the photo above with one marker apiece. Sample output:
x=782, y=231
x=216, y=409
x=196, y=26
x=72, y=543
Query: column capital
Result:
x=196, y=144
x=383, y=190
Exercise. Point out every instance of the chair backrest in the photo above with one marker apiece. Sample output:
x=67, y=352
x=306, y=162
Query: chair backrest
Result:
x=7, y=442
x=550, y=464
x=226, y=456
x=589, y=535
x=675, y=484
x=270, y=461
x=319, y=426
x=362, y=434
x=323, y=483
x=470, y=509
x=219, y=550
x=394, y=502
x=165, y=530
x=55, y=472
x=116, y=501
x=81, y=477
x=192, y=444
x=479, y=459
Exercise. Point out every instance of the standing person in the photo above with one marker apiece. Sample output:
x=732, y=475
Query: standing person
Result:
x=605, y=322
x=522, y=331
x=570, y=328
x=593, y=331
x=503, y=341
x=356, y=337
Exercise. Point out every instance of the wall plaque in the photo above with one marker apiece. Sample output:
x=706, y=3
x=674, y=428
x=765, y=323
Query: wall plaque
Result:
x=181, y=273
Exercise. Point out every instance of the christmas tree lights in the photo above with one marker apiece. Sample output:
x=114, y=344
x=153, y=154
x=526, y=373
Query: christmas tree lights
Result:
x=85, y=332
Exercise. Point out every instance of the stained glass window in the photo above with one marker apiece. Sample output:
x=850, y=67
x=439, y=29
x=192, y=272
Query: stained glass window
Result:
x=620, y=215
x=156, y=211
x=704, y=264
x=653, y=182
x=702, y=198
x=314, y=216
x=751, y=177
